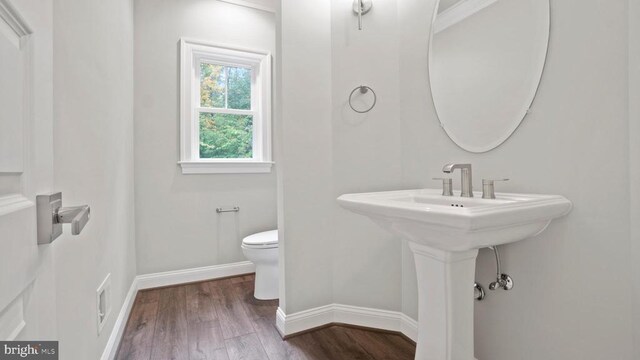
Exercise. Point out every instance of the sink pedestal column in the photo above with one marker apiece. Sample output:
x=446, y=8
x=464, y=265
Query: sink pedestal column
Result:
x=445, y=303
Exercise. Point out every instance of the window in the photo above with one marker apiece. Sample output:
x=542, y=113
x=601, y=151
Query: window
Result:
x=225, y=109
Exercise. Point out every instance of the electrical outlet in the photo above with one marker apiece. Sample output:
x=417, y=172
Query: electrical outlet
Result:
x=103, y=302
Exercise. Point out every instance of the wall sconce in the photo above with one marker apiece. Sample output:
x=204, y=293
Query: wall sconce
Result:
x=361, y=7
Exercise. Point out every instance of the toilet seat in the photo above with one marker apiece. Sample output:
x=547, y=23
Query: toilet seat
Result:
x=262, y=240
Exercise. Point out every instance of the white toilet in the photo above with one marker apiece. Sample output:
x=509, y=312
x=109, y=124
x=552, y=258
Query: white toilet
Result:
x=262, y=250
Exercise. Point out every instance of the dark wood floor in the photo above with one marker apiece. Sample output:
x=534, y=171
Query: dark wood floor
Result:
x=221, y=320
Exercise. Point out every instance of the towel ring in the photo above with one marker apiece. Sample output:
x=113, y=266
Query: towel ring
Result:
x=363, y=90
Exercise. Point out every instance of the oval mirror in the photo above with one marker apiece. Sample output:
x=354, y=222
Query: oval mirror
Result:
x=486, y=59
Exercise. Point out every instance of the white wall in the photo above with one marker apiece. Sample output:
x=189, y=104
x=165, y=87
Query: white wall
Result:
x=634, y=161
x=176, y=223
x=573, y=297
x=575, y=143
x=303, y=141
x=331, y=255
x=366, y=153
x=93, y=163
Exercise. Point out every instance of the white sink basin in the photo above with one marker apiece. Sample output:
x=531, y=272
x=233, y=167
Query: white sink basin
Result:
x=445, y=234
x=455, y=223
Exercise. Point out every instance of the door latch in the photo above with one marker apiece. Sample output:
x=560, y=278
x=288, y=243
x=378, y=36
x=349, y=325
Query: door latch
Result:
x=51, y=216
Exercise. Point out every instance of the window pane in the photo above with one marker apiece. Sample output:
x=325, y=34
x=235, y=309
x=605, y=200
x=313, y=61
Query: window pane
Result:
x=226, y=136
x=213, y=82
x=239, y=88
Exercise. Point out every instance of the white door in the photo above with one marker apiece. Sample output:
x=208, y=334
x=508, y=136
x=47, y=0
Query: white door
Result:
x=27, y=292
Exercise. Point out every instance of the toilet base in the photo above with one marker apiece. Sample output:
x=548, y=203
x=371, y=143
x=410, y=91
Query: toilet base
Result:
x=266, y=260
x=266, y=284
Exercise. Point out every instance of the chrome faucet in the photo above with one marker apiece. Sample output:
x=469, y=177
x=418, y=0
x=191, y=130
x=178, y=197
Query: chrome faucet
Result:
x=467, y=184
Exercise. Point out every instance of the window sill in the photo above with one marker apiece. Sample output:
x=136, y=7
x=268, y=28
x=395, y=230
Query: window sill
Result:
x=225, y=167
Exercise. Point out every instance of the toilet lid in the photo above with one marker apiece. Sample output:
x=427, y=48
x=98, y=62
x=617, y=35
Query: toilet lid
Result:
x=262, y=239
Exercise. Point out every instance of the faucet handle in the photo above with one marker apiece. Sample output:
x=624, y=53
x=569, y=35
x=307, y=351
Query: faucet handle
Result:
x=447, y=186
x=488, y=188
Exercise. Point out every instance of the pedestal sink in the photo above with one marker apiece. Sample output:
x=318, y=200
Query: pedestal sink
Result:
x=445, y=234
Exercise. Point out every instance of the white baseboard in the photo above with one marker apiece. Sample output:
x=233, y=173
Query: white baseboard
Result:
x=409, y=327
x=346, y=314
x=303, y=320
x=111, y=348
x=168, y=278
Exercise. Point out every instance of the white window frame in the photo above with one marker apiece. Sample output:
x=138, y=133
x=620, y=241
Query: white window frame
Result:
x=192, y=53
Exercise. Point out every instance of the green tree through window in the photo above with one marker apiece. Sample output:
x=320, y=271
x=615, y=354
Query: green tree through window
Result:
x=225, y=134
